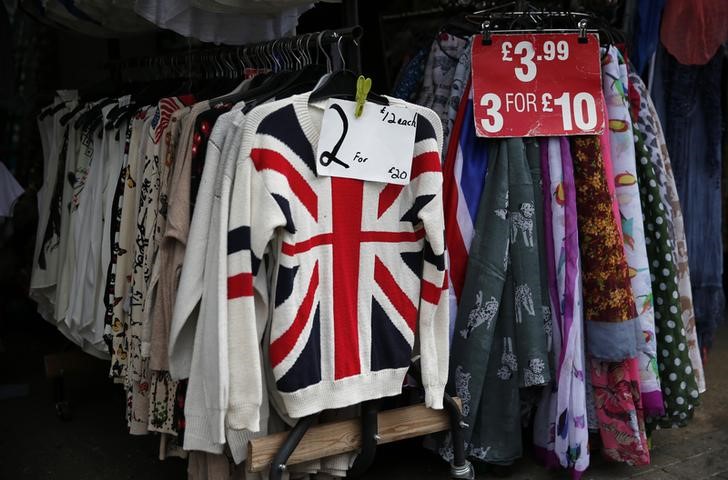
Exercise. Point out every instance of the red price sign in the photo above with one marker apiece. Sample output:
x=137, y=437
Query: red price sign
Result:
x=537, y=85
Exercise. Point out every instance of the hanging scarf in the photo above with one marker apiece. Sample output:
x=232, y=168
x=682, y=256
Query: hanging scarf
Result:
x=500, y=343
x=609, y=308
x=622, y=149
x=464, y=176
x=560, y=432
x=649, y=127
x=608, y=302
x=679, y=388
x=460, y=88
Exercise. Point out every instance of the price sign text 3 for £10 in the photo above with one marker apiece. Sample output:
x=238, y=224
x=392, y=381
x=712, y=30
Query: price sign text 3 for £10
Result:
x=537, y=85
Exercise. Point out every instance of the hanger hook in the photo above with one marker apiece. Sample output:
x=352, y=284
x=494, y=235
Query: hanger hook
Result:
x=272, y=48
x=280, y=51
x=245, y=59
x=272, y=53
x=302, y=48
x=293, y=42
x=279, y=61
x=292, y=53
x=279, y=48
x=263, y=54
x=240, y=61
x=341, y=52
x=296, y=46
x=231, y=56
x=265, y=57
x=329, y=66
x=318, y=50
x=582, y=30
x=312, y=37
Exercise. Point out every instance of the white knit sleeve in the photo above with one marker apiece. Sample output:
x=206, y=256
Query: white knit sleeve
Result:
x=434, y=294
x=254, y=216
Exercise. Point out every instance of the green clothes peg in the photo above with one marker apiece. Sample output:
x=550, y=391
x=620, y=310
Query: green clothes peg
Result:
x=363, y=85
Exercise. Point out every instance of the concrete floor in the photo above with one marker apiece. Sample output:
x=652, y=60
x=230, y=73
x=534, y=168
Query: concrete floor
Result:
x=36, y=445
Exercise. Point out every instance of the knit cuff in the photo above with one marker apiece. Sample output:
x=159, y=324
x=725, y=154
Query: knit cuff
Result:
x=244, y=417
x=238, y=442
x=216, y=423
x=434, y=395
x=198, y=435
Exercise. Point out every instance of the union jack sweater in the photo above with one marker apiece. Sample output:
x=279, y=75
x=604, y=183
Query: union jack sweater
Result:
x=357, y=270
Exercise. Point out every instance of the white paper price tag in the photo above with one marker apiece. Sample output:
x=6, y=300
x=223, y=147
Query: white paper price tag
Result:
x=377, y=146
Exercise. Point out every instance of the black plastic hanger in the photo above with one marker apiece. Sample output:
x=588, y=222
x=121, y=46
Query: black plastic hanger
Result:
x=118, y=114
x=52, y=110
x=92, y=115
x=113, y=114
x=293, y=83
x=256, y=96
x=130, y=111
x=342, y=84
x=258, y=80
x=67, y=117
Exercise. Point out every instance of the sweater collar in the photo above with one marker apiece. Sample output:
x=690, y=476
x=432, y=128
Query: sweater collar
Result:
x=311, y=128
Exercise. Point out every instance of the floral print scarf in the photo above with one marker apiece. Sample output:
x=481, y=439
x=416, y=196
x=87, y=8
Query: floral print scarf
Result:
x=609, y=307
x=622, y=150
x=608, y=299
x=560, y=428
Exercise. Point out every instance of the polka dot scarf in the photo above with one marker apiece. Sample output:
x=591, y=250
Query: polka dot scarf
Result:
x=679, y=388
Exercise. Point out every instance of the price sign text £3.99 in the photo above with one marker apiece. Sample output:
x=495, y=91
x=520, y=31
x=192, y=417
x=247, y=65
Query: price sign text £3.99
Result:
x=539, y=84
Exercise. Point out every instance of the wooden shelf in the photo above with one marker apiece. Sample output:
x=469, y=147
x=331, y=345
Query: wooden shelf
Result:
x=345, y=436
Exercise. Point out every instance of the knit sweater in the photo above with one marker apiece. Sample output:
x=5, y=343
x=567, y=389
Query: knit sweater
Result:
x=233, y=357
x=357, y=269
x=206, y=400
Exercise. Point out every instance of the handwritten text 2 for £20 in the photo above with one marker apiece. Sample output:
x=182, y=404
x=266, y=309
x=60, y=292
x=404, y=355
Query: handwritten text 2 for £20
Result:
x=377, y=146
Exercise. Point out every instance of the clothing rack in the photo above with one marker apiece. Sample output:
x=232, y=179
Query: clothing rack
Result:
x=272, y=55
x=307, y=441
x=228, y=60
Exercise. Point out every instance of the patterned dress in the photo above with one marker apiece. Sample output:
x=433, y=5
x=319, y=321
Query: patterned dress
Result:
x=139, y=376
x=116, y=321
x=163, y=389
